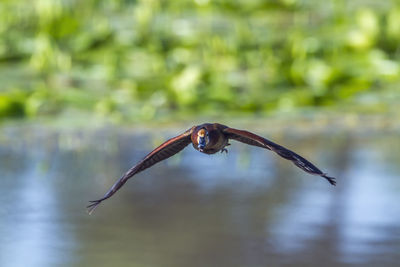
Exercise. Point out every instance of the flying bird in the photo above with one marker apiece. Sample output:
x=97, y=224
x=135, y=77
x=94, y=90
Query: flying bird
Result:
x=209, y=138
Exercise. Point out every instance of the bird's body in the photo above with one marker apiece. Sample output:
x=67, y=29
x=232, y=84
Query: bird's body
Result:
x=217, y=139
x=210, y=138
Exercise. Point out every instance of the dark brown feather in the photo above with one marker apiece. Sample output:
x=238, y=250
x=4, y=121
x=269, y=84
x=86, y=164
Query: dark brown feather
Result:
x=255, y=140
x=164, y=151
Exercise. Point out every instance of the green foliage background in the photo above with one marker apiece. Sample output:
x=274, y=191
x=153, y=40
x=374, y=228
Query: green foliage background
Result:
x=147, y=59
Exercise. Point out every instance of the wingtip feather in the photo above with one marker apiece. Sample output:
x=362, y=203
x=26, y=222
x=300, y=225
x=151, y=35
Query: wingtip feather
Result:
x=331, y=180
x=92, y=206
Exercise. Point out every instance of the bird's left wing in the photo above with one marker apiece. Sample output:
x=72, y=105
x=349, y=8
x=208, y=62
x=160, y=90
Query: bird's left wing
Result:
x=255, y=140
x=164, y=151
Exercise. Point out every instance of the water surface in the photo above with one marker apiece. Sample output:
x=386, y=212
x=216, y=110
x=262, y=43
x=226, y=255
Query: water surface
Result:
x=246, y=208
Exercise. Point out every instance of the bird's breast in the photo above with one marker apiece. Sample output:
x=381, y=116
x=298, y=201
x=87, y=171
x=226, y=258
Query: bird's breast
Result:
x=217, y=141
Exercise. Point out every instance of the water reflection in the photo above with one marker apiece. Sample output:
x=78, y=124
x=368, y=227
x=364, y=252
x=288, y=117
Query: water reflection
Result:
x=247, y=208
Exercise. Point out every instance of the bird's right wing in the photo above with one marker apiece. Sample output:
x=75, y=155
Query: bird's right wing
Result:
x=164, y=151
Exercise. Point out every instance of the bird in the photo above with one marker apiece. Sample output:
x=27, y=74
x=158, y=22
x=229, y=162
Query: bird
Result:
x=209, y=138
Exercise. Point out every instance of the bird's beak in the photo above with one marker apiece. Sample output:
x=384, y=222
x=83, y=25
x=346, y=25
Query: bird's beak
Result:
x=202, y=143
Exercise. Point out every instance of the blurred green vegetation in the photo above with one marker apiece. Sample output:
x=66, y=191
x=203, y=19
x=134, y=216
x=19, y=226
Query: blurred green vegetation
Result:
x=146, y=59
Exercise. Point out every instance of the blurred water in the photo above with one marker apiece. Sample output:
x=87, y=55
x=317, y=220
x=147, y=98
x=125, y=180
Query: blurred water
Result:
x=246, y=208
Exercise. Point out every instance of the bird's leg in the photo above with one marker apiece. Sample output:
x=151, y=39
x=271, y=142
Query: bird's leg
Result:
x=224, y=149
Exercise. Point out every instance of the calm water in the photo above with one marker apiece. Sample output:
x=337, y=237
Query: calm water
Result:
x=246, y=208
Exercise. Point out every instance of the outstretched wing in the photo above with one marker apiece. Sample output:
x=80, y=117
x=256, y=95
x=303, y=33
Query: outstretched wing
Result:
x=164, y=151
x=255, y=140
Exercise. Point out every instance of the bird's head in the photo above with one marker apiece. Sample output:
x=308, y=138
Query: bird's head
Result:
x=202, y=139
